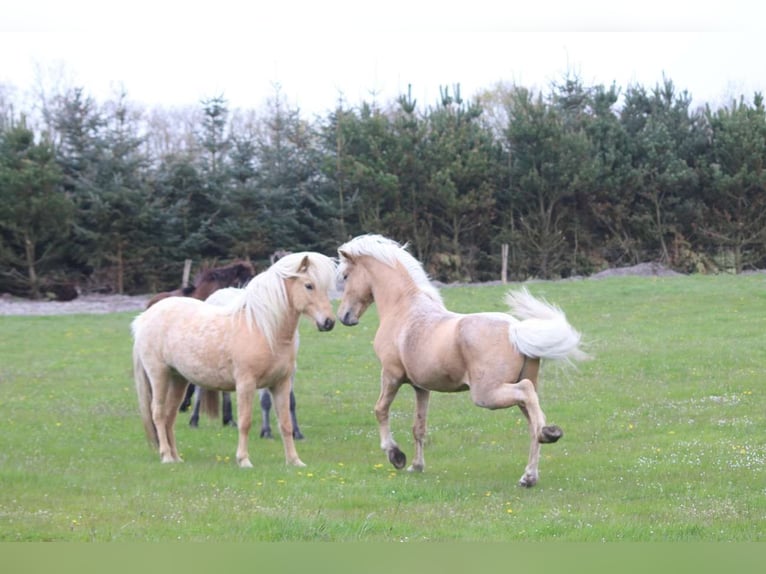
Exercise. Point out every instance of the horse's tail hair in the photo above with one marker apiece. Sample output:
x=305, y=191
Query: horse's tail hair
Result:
x=144, y=392
x=210, y=401
x=541, y=330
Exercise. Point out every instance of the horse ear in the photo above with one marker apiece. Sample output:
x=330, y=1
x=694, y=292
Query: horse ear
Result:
x=345, y=255
x=304, y=266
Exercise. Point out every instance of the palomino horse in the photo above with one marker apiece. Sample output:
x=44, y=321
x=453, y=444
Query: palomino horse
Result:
x=207, y=281
x=242, y=347
x=224, y=297
x=493, y=355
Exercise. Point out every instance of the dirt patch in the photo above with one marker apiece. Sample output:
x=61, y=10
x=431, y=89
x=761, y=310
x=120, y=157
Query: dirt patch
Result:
x=91, y=304
x=117, y=303
x=641, y=270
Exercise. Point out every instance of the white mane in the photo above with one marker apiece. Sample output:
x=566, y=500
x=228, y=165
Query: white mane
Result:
x=264, y=299
x=390, y=252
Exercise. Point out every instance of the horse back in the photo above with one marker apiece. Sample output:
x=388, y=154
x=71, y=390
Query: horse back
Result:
x=188, y=337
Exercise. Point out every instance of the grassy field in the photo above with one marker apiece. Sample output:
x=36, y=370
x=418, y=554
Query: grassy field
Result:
x=664, y=435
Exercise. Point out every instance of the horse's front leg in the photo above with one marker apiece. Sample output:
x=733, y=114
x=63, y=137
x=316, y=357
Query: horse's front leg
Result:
x=245, y=394
x=194, y=420
x=226, y=410
x=419, y=428
x=281, y=395
x=297, y=434
x=265, y=410
x=389, y=386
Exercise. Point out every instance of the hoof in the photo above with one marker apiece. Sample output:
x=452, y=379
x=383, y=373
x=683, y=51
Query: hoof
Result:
x=415, y=468
x=266, y=433
x=551, y=434
x=170, y=460
x=230, y=423
x=298, y=435
x=194, y=423
x=397, y=458
x=528, y=481
x=297, y=462
x=245, y=463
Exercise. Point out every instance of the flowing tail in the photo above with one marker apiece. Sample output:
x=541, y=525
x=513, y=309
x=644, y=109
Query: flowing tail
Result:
x=209, y=401
x=541, y=330
x=144, y=391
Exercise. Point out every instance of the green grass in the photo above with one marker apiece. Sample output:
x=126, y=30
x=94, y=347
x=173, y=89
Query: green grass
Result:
x=664, y=435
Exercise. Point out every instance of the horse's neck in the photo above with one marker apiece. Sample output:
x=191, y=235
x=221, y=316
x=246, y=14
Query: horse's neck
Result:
x=288, y=326
x=393, y=290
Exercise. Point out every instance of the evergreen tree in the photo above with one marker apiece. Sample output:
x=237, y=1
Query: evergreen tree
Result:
x=735, y=185
x=547, y=162
x=35, y=217
x=464, y=177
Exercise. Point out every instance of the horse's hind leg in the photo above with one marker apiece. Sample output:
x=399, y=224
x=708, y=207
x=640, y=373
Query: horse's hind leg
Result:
x=175, y=396
x=164, y=410
x=419, y=428
x=389, y=386
x=524, y=395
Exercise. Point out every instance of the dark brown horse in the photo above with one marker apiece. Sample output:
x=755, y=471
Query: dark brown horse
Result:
x=207, y=281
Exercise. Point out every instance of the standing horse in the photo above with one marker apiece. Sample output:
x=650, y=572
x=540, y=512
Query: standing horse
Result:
x=209, y=280
x=224, y=297
x=206, y=282
x=241, y=347
x=493, y=355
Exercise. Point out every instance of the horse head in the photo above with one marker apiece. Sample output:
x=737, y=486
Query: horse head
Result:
x=357, y=290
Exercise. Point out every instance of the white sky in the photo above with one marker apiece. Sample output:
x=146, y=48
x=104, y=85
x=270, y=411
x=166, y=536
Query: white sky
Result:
x=176, y=53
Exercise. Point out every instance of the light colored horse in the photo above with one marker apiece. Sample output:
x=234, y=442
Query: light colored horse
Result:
x=224, y=297
x=244, y=346
x=495, y=356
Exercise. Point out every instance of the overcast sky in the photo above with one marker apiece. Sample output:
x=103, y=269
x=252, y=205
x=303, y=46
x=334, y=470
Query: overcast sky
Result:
x=175, y=53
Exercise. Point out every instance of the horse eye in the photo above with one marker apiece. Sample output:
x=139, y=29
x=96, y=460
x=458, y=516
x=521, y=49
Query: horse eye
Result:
x=309, y=286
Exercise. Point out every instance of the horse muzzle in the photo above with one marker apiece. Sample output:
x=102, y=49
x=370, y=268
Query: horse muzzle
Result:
x=327, y=325
x=349, y=319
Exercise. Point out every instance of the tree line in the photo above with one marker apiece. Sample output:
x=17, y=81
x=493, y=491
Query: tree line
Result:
x=112, y=197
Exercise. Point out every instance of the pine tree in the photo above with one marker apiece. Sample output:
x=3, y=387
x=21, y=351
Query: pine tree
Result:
x=35, y=217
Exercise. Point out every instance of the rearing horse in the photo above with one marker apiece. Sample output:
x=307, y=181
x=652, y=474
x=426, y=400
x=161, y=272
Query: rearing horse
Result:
x=495, y=356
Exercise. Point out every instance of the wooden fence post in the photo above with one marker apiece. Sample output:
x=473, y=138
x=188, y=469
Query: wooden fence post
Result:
x=504, y=258
x=187, y=272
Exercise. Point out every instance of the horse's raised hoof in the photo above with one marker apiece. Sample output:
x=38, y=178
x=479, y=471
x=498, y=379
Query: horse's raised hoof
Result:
x=397, y=458
x=551, y=434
